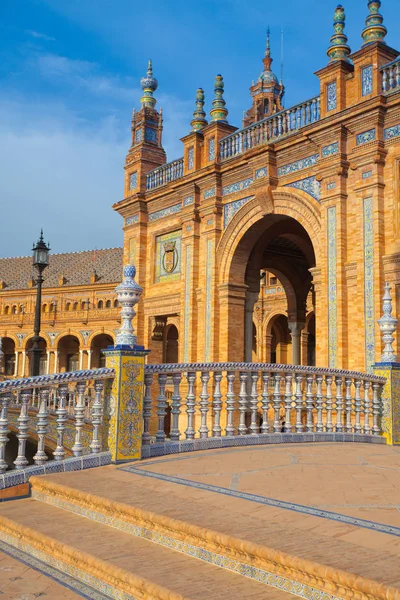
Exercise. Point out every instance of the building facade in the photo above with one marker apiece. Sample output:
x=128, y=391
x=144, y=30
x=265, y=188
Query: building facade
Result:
x=306, y=196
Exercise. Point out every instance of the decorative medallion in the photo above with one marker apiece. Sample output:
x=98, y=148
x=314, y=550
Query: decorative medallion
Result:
x=170, y=257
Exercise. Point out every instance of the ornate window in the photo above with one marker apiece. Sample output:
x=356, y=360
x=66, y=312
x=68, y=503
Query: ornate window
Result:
x=133, y=180
x=366, y=76
x=68, y=306
x=108, y=304
x=139, y=135
x=211, y=149
x=150, y=135
x=7, y=310
x=191, y=158
x=331, y=101
x=100, y=304
x=115, y=303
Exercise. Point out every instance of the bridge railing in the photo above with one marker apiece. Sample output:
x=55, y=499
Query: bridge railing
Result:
x=164, y=174
x=248, y=399
x=391, y=76
x=282, y=123
x=72, y=402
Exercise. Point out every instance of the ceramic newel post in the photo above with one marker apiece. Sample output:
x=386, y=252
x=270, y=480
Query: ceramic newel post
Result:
x=389, y=368
x=125, y=398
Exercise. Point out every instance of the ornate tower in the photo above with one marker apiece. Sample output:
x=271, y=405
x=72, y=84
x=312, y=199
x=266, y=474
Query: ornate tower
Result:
x=146, y=152
x=267, y=92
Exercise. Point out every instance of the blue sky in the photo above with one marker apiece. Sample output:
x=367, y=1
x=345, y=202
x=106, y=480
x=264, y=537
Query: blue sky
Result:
x=69, y=78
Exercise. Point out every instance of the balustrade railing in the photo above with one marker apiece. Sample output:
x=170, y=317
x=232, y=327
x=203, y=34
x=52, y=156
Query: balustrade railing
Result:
x=164, y=174
x=74, y=401
x=282, y=123
x=237, y=399
x=391, y=76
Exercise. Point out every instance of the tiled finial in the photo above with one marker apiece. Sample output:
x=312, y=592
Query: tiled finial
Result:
x=149, y=85
x=374, y=30
x=218, y=111
x=199, y=116
x=267, y=58
x=388, y=325
x=339, y=48
x=129, y=293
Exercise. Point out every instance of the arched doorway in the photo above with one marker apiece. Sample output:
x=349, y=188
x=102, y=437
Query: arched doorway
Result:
x=68, y=353
x=99, y=343
x=8, y=349
x=43, y=355
x=280, y=349
x=311, y=339
x=171, y=346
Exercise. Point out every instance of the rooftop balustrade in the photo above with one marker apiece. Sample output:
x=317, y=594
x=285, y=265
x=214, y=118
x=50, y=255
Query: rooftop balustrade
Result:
x=281, y=124
x=391, y=76
x=164, y=174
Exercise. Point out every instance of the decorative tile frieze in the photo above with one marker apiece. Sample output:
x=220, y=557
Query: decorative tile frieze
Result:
x=231, y=209
x=366, y=79
x=188, y=200
x=365, y=137
x=132, y=220
x=366, y=174
x=310, y=185
x=392, y=132
x=165, y=212
x=237, y=187
x=210, y=193
x=298, y=165
x=331, y=96
x=139, y=135
x=133, y=180
x=369, y=304
x=168, y=256
x=331, y=185
x=330, y=149
x=211, y=149
x=263, y=172
x=150, y=134
x=191, y=158
x=186, y=333
x=207, y=322
x=332, y=290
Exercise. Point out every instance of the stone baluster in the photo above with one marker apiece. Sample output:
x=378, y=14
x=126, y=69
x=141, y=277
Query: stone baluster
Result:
x=376, y=408
x=288, y=121
x=254, y=427
x=320, y=403
x=243, y=377
x=277, y=402
x=161, y=407
x=190, y=405
x=203, y=430
x=309, y=403
x=41, y=428
x=280, y=128
x=367, y=407
x=97, y=416
x=61, y=419
x=348, y=404
x=391, y=78
x=217, y=405
x=288, y=402
x=147, y=405
x=5, y=400
x=265, y=402
x=77, y=448
x=388, y=325
x=23, y=425
x=397, y=73
x=298, y=118
x=339, y=403
x=299, y=401
x=176, y=407
x=358, y=406
x=384, y=81
x=230, y=403
x=329, y=403
x=303, y=115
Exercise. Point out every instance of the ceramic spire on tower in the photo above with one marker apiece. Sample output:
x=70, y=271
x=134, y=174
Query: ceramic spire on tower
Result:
x=339, y=48
x=218, y=111
x=199, y=116
x=374, y=30
x=149, y=85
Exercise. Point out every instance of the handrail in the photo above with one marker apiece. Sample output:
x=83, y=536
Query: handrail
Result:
x=56, y=378
x=164, y=174
x=391, y=76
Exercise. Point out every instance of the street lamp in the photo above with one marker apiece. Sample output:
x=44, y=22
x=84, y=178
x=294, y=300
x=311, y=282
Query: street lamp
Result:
x=40, y=261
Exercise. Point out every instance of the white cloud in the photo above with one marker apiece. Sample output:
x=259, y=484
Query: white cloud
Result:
x=42, y=36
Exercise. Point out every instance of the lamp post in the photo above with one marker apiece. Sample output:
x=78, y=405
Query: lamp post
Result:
x=40, y=261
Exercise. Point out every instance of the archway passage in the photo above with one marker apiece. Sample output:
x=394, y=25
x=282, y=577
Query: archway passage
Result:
x=68, y=353
x=171, y=347
x=8, y=349
x=99, y=343
x=43, y=355
x=280, y=348
x=275, y=253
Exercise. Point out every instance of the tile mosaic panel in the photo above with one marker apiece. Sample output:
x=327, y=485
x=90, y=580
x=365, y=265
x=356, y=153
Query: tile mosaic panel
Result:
x=390, y=401
x=365, y=137
x=191, y=159
x=139, y=135
x=211, y=149
x=330, y=149
x=366, y=77
x=332, y=290
x=132, y=220
x=263, y=172
x=210, y=193
x=298, y=165
x=331, y=185
x=150, y=135
x=366, y=174
x=310, y=185
x=369, y=304
x=207, y=321
x=331, y=90
x=392, y=132
x=168, y=256
x=132, y=251
x=186, y=333
x=237, y=187
x=188, y=200
x=165, y=212
x=133, y=180
x=231, y=209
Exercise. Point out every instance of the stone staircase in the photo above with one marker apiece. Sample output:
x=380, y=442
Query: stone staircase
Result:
x=128, y=536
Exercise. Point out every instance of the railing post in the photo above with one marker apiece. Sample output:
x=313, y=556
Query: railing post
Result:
x=386, y=399
x=5, y=401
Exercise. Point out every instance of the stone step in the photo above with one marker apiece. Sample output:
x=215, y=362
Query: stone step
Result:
x=281, y=547
x=120, y=565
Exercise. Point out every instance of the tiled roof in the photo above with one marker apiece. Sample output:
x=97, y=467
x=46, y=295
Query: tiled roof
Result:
x=76, y=267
